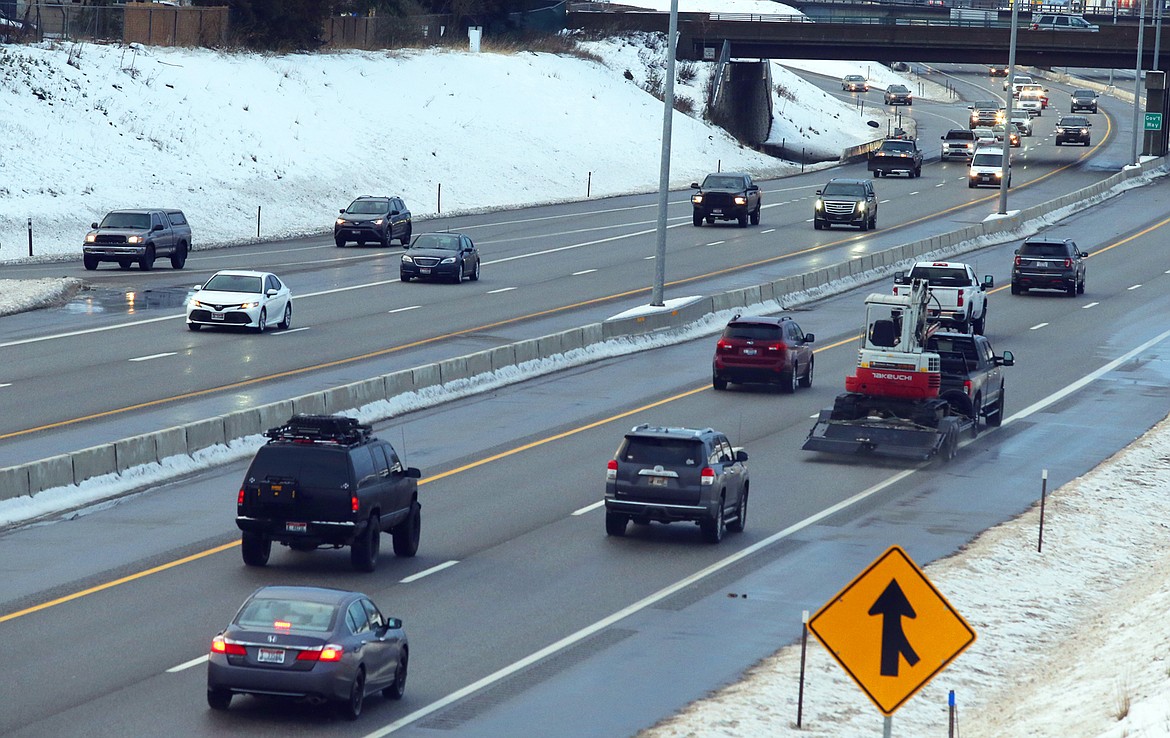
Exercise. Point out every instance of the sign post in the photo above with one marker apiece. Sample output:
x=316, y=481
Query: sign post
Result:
x=891, y=630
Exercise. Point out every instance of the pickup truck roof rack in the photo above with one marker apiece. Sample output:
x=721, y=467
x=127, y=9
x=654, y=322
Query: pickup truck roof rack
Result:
x=327, y=429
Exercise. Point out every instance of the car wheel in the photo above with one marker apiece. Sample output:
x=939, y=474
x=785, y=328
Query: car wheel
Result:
x=970, y=185
x=90, y=262
x=979, y=323
x=404, y=277
x=219, y=699
x=146, y=263
x=405, y=535
x=351, y=709
x=995, y=419
x=788, y=381
x=873, y=222
x=615, y=523
x=397, y=688
x=475, y=272
x=179, y=256
x=1071, y=289
x=255, y=549
x=976, y=410
x=340, y=242
x=363, y=552
x=406, y=235
x=1081, y=286
x=385, y=242
x=713, y=528
x=917, y=172
x=743, y=220
x=718, y=382
x=286, y=321
x=864, y=225
x=817, y=225
x=806, y=380
x=741, y=510
x=1016, y=289
x=697, y=220
x=755, y=216
x=193, y=326
x=458, y=278
x=877, y=173
x=262, y=321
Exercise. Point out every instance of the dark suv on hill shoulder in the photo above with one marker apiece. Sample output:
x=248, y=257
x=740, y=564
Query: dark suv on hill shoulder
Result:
x=324, y=481
x=1046, y=263
x=1083, y=100
x=668, y=475
x=374, y=219
x=763, y=349
x=846, y=202
x=1073, y=129
x=726, y=196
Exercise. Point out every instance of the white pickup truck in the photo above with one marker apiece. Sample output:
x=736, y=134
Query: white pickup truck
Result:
x=958, y=298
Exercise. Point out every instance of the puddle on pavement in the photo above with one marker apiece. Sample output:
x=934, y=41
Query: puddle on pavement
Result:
x=100, y=300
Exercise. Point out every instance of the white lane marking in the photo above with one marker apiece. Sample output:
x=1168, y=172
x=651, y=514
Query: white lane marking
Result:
x=153, y=356
x=502, y=289
x=882, y=202
x=810, y=220
x=769, y=230
x=403, y=310
x=427, y=572
x=940, y=184
x=733, y=559
x=290, y=330
x=648, y=258
x=1037, y=326
x=1166, y=272
x=6, y=384
x=815, y=416
x=589, y=508
x=187, y=665
x=584, y=271
x=1127, y=289
x=1089, y=305
x=716, y=243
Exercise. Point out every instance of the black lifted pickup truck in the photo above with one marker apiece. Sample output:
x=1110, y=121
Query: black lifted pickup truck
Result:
x=324, y=481
x=726, y=196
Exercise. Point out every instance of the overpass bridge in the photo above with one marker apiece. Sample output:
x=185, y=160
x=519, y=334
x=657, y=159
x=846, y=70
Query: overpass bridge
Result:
x=750, y=36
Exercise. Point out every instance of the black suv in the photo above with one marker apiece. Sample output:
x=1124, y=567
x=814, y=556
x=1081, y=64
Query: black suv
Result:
x=377, y=219
x=1084, y=100
x=324, y=481
x=1073, y=129
x=726, y=196
x=1047, y=263
x=898, y=95
x=677, y=474
x=847, y=202
x=758, y=348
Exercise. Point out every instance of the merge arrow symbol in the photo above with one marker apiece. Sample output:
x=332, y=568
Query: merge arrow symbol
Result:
x=892, y=605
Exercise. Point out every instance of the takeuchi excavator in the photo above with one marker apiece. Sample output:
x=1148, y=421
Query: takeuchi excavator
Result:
x=894, y=404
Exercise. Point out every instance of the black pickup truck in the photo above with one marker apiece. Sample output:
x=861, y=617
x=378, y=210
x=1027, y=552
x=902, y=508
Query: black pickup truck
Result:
x=896, y=155
x=726, y=196
x=972, y=376
x=324, y=481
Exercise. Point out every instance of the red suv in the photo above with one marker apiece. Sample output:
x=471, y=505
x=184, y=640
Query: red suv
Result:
x=763, y=349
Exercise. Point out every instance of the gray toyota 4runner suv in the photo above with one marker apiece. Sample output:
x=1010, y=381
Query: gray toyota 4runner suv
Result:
x=668, y=475
x=138, y=237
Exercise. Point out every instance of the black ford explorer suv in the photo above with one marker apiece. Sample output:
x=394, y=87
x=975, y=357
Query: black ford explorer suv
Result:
x=846, y=202
x=139, y=237
x=1048, y=263
x=726, y=196
x=1073, y=129
x=324, y=481
x=677, y=474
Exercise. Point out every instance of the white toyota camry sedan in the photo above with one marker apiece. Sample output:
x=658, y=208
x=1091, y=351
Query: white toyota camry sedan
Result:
x=245, y=299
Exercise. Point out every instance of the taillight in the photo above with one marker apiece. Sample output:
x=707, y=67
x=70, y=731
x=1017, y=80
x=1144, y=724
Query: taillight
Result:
x=611, y=470
x=354, y=504
x=960, y=298
x=1067, y=263
x=240, y=497
x=220, y=645
x=1017, y=261
x=330, y=652
x=967, y=387
x=707, y=476
x=781, y=346
x=723, y=345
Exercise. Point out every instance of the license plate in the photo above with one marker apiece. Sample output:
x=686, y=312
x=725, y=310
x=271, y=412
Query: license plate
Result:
x=716, y=212
x=217, y=316
x=296, y=527
x=424, y=270
x=270, y=655
x=750, y=352
x=657, y=481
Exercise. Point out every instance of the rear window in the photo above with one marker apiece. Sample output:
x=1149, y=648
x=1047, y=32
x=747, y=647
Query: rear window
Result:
x=938, y=277
x=664, y=451
x=1043, y=249
x=323, y=467
x=280, y=614
x=753, y=331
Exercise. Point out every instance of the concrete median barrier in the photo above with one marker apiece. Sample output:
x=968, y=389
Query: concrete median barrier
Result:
x=95, y=461
x=136, y=451
x=55, y=471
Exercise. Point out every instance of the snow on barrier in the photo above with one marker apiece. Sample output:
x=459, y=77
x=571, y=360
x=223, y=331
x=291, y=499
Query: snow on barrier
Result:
x=117, y=458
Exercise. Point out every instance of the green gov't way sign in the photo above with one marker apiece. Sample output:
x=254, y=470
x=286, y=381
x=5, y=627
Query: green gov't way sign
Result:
x=1153, y=121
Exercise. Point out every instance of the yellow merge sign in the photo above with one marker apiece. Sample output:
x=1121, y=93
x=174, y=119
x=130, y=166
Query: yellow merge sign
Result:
x=891, y=630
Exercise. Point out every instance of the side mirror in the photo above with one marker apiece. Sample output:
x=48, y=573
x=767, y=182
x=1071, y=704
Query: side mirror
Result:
x=741, y=456
x=694, y=185
x=157, y=227
x=1016, y=252
x=809, y=338
x=818, y=193
x=198, y=287
x=341, y=211
x=394, y=623
x=394, y=212
x=900, y=278
x=1008, y=359
x=93, y=225
x=944, y=138
x=754, y=188
x=988, y=282
x=1083, y=254
x=413, y=472
x=270, y=292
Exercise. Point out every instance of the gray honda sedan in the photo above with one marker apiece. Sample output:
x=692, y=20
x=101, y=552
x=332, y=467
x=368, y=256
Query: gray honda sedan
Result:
x=326, y=646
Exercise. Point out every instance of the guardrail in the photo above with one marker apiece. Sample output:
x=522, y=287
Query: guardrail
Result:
x=124, y=456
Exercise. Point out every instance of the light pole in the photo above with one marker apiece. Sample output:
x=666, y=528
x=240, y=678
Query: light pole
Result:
x=1005, y=162
x=1137, y=81
x=656, y=291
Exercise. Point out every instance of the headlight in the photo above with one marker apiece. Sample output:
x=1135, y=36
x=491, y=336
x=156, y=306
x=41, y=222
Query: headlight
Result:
x=740, y=200
x=196, y=303
x=697, y=199
x=406, y=259
x=379, y=221
x=340, y=221
x=90, y=237
x=998, y=175
x=819, y=204
x=861, y=207
x=1085, y=131
x=448, y=260
x=134, y=239
x=250, y=305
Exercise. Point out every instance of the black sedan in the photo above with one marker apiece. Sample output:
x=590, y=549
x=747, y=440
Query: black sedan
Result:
x=310, y=643
x=448, y=256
